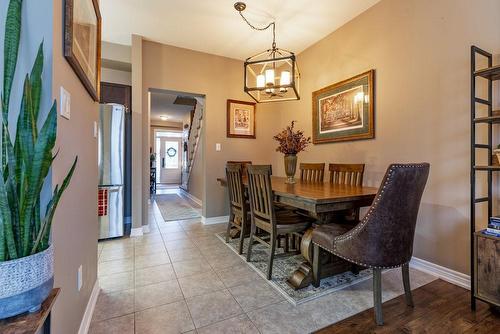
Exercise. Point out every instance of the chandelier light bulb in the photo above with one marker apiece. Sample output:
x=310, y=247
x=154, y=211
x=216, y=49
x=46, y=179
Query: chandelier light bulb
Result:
x=261, y=81
x=284, y=80
x=270, y=77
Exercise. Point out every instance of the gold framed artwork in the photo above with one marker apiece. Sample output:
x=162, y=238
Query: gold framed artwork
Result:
x=344, y=111
x=240, y=119
x=82, y=42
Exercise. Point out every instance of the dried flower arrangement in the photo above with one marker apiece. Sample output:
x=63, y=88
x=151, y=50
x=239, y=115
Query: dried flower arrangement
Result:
x=290, y=141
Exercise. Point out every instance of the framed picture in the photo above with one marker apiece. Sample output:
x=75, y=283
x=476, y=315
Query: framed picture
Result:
x=82, y=42
x=240, y=119
x=344, y=111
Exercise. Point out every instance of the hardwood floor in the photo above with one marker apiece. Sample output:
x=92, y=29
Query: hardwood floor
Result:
x=440, y=307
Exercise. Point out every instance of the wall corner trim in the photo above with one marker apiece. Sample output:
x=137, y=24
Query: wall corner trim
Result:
x=191, y=197
x=214, y=220
x=136, y=232
x=446, y=274
x=89, y=310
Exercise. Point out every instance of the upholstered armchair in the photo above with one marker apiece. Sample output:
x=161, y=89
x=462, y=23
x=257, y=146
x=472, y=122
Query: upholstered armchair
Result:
x=384, y=237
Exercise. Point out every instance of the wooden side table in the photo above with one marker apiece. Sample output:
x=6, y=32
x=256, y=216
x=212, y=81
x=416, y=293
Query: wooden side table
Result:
x=31, y=323
x=487, y=268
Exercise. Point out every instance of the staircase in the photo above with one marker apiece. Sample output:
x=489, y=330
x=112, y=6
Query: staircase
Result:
x=193, y=140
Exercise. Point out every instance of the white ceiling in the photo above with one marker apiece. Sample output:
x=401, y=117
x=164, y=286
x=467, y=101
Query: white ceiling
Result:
x=214, y=26
x=162, y=104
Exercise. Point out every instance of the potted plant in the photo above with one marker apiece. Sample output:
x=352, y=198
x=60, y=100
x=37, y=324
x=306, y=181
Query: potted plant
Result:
x=291, y=142
x=26, y=253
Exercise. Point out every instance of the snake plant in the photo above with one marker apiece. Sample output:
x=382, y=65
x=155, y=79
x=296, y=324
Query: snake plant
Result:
x=26, y=160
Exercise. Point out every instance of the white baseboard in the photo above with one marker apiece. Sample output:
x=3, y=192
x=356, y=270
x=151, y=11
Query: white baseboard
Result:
x=214, y=220
x=89, y=310
x=191, y=197
x=446, y=274
x=136, y=232
x=145, y=229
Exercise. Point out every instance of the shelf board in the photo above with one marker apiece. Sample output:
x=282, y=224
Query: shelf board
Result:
x=491, y=119
x=492, y=73
x=492, y=168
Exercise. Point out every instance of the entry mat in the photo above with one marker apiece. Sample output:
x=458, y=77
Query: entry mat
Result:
x=283, y=267
x=174, y=207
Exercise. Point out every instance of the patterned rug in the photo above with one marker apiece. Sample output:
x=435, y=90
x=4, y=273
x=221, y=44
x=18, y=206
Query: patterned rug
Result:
x=174, y=207
x=284, y=266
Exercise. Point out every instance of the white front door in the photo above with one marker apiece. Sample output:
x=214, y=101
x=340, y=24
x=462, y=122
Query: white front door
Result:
x=170, y=162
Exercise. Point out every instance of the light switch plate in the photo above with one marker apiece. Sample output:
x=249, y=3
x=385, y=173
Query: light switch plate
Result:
x=65, y=100
x=218, y=147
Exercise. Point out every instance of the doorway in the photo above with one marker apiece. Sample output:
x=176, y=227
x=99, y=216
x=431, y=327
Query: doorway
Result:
x=168, y=149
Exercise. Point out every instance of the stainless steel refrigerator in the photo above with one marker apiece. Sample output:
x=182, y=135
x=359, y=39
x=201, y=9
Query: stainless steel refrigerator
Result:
x=111, y=161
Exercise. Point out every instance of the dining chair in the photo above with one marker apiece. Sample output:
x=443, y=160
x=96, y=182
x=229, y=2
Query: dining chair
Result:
x=271, y=222
x=384, y=238
x=312, y=172
x=238, y=205
x=243, y=164
x=347, y=174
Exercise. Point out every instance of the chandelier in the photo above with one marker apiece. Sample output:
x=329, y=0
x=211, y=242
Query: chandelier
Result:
x=271, y=75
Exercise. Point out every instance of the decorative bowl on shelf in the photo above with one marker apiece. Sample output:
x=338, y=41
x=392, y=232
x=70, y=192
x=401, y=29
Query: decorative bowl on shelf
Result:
x=496, y=152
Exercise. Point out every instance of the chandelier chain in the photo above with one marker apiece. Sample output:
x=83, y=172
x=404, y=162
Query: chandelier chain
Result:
x=273, y=24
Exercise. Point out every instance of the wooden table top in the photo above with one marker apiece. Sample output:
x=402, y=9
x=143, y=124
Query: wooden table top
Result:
x=317, y=192
x=29, y=323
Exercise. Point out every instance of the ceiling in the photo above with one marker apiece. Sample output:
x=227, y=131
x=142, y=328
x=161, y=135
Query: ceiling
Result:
x=215, y=27
x=162, y=104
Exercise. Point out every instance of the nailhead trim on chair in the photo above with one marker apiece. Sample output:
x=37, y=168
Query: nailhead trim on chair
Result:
x=363, y=223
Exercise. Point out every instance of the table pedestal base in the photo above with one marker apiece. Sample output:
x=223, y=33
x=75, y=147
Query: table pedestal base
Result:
x=330, y=264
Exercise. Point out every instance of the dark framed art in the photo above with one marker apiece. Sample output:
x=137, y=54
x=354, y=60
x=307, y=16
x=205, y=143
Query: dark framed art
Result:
x=240, y=119
x=82, y=42
x=344, y=111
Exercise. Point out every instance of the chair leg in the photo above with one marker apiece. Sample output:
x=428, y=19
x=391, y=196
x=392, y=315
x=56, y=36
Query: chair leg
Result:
x=316, y=266
x=355, y=269
x=377, y=296
x=287, y=243
x=250, y=242
x=243, y=231
x=271, y=256
x=406, y=283
x=229, y=224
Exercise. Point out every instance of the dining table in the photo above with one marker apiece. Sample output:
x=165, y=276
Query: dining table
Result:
x=322, y=201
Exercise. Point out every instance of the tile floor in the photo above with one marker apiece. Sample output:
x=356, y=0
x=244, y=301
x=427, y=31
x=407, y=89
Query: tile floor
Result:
x=180, y=278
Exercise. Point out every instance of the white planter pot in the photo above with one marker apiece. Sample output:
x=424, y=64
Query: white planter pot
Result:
x=25, y=283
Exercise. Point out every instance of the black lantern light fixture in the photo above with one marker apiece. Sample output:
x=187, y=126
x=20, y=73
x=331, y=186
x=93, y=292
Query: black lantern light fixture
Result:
x=271, y=75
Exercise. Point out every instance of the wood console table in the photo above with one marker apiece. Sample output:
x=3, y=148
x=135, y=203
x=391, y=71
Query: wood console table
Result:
x=321, y=201
x=31, y=323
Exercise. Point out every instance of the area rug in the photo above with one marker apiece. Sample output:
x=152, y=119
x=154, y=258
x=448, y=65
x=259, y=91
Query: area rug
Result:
x=284, y=266
x=174, y=207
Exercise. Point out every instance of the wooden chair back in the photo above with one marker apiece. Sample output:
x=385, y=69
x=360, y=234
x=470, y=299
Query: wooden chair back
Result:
x=347, y=174
x=243, y=164
x=235, y=187
x=312, y=172
x=261, y=195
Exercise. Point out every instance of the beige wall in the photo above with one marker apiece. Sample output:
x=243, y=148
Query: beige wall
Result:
x=137, y=129
x=219, y=79
x=116, y=76
x=420, y=50
x=74, y=232
x=117, y=52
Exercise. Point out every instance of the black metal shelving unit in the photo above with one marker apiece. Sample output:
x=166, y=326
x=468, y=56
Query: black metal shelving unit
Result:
x=490, y=74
